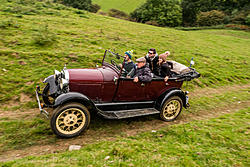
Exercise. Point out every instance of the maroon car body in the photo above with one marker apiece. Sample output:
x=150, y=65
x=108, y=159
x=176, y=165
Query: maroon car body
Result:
x=74, y=94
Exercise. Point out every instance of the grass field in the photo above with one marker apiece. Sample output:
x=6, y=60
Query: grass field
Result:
x=38, y=37
x=217, y=142
x=123, y=5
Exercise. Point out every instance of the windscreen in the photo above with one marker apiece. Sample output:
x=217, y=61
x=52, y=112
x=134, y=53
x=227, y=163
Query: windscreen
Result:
x=113, y=59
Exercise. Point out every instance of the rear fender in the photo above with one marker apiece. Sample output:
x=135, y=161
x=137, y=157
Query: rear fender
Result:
x=74, y=97
x=168, y=94
x=52, y=84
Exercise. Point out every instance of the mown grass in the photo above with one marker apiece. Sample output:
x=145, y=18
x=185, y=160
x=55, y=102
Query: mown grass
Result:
x=21, y=133
x=222, y=141
x=123, y=5
x=38, y=37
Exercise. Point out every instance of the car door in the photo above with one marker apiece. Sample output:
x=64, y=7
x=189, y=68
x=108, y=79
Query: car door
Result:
x=158, y=86
x=130, y=91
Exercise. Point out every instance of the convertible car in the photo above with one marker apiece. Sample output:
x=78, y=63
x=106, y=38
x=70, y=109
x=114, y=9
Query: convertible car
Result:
x=73, y=94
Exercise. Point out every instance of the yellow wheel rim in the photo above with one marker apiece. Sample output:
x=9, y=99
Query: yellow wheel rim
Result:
x=171, y=109
x=70, y=121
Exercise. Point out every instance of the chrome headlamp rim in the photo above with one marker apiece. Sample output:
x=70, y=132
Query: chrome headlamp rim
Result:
x=63, y=83
x=57, y=74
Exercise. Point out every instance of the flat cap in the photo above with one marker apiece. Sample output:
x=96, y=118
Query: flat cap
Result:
x=141, y=59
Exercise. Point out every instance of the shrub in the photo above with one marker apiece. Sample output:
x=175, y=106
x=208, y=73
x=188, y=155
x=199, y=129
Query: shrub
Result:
x=240, y=17
x=118, y=14
x=247, y=20
x=44, y=37
x=163, y=12
x=79, y=4
x=94, y=8
x=210, y=18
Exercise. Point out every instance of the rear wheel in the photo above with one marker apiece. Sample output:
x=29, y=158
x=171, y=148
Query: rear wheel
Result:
x=171, y=109
x=70, y=120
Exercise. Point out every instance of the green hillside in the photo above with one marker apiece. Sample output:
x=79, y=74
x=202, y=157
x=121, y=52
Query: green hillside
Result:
x=37, y=39
x=123, y=5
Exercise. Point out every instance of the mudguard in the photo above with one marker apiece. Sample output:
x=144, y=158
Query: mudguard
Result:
x=52, y=84
x=173, y=92
x=74, y=97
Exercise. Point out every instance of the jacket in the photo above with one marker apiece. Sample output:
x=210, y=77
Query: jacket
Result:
x=143, y=74
x=152, y=63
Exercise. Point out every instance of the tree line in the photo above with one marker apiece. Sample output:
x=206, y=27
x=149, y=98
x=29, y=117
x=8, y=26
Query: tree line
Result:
x=175, y=13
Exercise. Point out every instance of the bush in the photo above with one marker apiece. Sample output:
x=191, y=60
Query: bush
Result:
x=163, y=12
x=94, y=8
x=118, y=14
x=240, y=17
x=247, y=20
x=210, y=18
x=79, y=4
x=44, y=37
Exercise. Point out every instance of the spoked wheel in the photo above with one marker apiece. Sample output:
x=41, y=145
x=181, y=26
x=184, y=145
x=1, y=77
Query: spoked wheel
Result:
x=70, y=120
x=171, y=109
x=49, y=100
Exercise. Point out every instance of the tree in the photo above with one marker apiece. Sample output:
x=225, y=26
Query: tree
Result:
x=191, y=8
x=163, y=12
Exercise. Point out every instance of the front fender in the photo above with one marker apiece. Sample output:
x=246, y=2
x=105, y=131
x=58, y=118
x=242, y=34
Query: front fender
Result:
x=52, y=84
x=173, y=92
x=74, y=97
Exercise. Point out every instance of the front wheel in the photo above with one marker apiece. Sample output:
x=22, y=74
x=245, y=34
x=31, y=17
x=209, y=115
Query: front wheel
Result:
x=70, y=120
x=171, y=109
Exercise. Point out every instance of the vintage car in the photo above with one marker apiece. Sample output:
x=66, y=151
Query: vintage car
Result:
x=73, y=94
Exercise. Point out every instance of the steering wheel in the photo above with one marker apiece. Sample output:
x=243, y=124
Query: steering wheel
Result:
x=114, y=63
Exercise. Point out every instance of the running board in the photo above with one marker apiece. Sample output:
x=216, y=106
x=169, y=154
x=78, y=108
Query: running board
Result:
x=128, y=113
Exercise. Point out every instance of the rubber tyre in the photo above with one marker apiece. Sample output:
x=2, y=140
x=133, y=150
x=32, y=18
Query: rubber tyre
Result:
x=173, y=105
x=61, y=114
x=46, y=97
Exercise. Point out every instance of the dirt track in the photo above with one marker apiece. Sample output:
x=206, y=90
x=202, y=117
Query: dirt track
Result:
x=128, y=127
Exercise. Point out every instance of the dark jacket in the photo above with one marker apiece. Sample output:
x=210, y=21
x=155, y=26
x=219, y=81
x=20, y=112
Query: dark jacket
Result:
x=164, y=69
x=152, y=64
x=143, y=74
x=129, y=68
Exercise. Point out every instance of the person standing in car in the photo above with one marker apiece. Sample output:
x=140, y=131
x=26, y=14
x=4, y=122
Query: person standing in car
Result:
x=142, y=73
x=152, y=60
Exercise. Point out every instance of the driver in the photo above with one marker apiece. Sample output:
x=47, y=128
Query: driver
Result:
x=129, y=66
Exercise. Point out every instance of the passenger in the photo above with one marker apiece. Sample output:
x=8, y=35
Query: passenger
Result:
x=152, y=60
x=164, y=67
x=142, y=73
x=129, y=65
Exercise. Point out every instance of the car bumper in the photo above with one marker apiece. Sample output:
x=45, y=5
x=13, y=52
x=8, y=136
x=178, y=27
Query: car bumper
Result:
x=44, y=112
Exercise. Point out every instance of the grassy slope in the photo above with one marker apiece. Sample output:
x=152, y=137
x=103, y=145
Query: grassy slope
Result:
x=123, y=5
x=19, y=133
x=222, y=56
x=217, y=142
